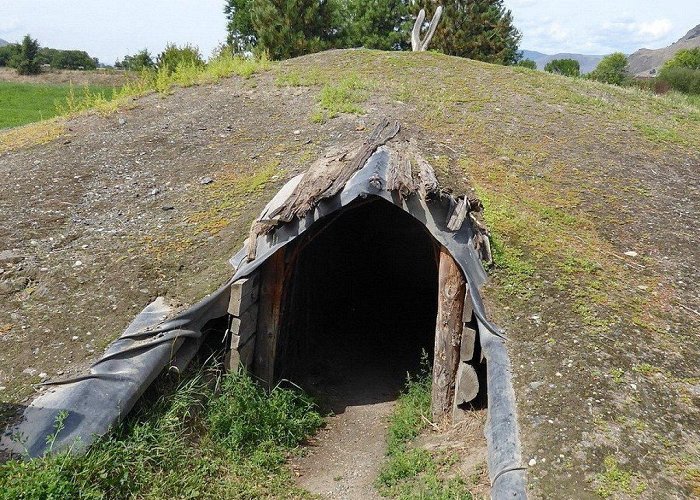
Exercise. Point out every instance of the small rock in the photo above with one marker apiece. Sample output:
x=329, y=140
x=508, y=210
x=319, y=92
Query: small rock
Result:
x=74, y=337
x=122, y=121
x=43, y=375
x=558, y=374
x=297, y=132
x=29, y=371
x=206, y=180
x=536, y=385
x=78, y=263
x=154, y=191
x=10, y=257
x=631, y=253
x=2, y=387
x=532, y=462
x=168, y=207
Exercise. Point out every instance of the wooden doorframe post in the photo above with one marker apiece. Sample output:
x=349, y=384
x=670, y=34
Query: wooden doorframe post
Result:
x=448, y=334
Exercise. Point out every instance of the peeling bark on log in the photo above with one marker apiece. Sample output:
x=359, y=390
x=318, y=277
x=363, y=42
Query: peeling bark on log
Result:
x=448, y=334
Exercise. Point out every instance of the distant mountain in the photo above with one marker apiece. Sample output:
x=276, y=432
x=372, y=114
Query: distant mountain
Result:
x=3, y=42
x=587, y=62
x=646, y=62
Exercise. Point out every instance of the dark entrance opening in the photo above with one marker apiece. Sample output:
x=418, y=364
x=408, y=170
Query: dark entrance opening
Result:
x=360, y=306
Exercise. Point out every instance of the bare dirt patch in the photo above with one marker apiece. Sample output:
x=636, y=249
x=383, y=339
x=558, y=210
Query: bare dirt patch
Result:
x=102, y=78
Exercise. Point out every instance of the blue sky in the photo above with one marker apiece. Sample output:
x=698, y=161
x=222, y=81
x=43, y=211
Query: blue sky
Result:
x=111, y=29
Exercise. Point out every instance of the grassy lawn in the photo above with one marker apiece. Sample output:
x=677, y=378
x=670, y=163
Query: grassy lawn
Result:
x=22, y=103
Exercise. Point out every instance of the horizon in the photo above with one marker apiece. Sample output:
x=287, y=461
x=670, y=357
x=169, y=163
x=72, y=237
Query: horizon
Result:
x=110, y=33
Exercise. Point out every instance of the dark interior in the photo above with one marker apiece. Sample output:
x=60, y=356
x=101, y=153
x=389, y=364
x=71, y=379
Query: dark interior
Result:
x=360, y=307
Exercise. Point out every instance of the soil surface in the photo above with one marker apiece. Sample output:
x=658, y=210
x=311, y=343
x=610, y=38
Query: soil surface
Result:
x=592, y=194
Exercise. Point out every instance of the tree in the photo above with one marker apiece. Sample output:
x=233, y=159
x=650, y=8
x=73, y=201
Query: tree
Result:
x=685, y=58
x=682, y=72
x=8, y=53
x=527, y=63
x=138, y=62
x=477, y=29
x=27, y=61
x=241, y=33
x=290, y=28
x=611, y=69
x=377, y=24
x=566, y=67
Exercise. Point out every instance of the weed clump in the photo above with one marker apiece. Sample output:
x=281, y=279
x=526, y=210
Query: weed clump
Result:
x=412, y=472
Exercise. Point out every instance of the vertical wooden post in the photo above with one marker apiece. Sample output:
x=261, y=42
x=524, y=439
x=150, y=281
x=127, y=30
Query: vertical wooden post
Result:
x=448, y=334
x=269, y=311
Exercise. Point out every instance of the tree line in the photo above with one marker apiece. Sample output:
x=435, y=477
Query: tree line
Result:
x=28, y=57
x=477, y=29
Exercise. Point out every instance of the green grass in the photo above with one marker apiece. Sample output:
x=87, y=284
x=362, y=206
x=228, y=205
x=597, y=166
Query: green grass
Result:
x=22, y=103
x=412, y=472
x=191, y=443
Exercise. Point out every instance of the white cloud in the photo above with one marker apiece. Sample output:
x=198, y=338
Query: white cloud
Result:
x=642, y=31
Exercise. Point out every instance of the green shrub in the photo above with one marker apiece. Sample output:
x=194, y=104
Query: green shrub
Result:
x=565, y=67
x=684, y=80
x=527, y=63
x=173, y=56
x=611, y=69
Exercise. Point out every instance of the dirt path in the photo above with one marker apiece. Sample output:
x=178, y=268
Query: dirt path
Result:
x=343, y=460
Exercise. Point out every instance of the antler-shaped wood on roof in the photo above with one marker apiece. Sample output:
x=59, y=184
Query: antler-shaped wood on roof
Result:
x=418, y=45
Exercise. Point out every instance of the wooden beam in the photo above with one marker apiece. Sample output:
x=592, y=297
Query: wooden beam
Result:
x=269, y=312
x=448, y=334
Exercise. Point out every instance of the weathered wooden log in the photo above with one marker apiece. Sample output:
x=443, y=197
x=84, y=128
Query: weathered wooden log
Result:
x=466, y=384
x=448, y=334
x=241, y=355
x=428, y=185
x=272, y=280
x=458, y=214
x=467, y=344
x=399, y=177
x=328, y=176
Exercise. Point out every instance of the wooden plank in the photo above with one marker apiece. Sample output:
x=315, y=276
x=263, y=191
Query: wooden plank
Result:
x=466, y=387
x=467, y=344
x=448, y=334
x=468, y=311
x=244, y=292
x=456, y=218
x=241, y=355
x=246, y=325
x=269, y=309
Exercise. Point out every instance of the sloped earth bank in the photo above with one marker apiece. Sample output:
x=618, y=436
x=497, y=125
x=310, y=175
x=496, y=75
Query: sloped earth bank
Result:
x=591, y=193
